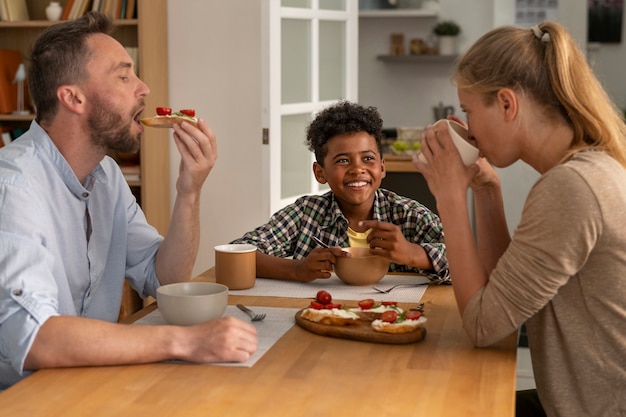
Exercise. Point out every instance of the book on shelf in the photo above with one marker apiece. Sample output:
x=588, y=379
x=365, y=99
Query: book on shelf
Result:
x=14, y=10
x=115, y=9
x=9, y=133
x=4, y=12
x=85, y=7
x=108, y=7
x=6, y=139
x=131, y=172
x=118, y=9
x=133, y=51
x=66, y=10
x=79, y=8
x=74, y=9
x=130, y=9
x=96, y=5
x=17, y=132
x=5, y=135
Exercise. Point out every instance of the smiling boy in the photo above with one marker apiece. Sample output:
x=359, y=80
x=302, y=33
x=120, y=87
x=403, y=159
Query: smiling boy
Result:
x=346, y=139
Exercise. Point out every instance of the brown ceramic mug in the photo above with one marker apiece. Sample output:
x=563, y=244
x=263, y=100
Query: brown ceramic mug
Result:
x=235, y=265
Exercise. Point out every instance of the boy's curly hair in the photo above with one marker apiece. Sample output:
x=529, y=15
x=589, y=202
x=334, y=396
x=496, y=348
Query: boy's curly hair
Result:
x=339, y=119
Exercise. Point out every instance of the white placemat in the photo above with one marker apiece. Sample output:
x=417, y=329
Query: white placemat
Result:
x=276, y=323
x=339, y=290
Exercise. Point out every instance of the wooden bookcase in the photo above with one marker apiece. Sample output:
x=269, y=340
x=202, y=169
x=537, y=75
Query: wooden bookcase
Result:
x=149, y=34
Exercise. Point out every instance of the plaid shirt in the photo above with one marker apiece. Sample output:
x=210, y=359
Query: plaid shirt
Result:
x=289, y=231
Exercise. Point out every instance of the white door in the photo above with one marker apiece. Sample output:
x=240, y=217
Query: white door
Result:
x=312, y=63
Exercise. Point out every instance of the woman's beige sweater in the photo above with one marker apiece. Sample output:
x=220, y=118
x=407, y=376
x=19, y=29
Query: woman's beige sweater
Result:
x=564, y=274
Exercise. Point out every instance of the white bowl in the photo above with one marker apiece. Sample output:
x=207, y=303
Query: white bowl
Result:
x=187, y=303
x=361, y=268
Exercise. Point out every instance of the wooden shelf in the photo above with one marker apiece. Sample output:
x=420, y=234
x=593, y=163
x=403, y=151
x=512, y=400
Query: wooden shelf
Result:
x=398, y=13
x=8, y=118
x=417, y=58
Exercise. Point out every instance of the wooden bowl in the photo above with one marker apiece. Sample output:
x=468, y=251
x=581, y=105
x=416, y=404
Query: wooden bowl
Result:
x=361, y=268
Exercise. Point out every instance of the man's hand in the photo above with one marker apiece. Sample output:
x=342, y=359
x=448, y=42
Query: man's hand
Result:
x=100, y=343
x=198, y=151
x=226, y=339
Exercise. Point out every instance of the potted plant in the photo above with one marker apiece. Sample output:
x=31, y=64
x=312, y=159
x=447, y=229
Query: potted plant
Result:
x=447, y=28
x=447, y=32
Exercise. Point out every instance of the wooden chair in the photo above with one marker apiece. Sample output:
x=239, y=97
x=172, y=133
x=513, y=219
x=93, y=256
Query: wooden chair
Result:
x=131, y=302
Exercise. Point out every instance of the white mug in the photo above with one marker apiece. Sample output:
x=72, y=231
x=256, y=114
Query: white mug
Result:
x=460, y=138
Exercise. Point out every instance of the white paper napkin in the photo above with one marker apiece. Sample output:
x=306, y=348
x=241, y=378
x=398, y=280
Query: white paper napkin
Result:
x=339, y=290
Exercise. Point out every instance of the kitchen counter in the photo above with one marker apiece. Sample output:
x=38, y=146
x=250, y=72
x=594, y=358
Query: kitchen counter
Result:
x=402, y=178
x=398, y=163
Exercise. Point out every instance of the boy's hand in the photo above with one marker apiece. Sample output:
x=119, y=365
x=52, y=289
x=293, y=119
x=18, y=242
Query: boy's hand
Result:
x=319, y=263
x=387, y=240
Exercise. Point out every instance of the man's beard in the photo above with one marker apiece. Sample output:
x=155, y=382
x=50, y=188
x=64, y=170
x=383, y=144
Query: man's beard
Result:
x=109, y=130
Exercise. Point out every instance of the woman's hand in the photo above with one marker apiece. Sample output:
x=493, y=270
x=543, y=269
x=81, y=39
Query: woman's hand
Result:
x=486, y=176
x=444, y=170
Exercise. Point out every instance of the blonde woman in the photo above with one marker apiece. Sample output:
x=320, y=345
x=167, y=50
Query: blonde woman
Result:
x=529, y=95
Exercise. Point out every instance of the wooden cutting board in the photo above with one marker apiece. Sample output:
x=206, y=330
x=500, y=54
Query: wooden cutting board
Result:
x=361, y=330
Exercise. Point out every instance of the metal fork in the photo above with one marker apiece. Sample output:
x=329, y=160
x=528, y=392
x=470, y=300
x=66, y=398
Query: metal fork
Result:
x=253, y=316
x=388, y=290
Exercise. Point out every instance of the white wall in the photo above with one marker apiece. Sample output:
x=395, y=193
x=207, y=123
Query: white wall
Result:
x=214, y=66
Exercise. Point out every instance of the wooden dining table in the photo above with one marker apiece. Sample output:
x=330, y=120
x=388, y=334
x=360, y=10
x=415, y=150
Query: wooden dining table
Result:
x=303, y=374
